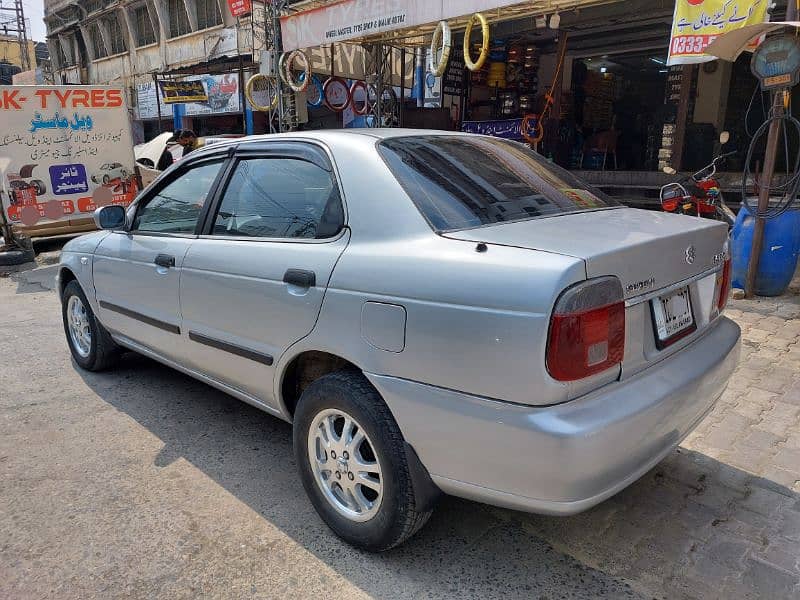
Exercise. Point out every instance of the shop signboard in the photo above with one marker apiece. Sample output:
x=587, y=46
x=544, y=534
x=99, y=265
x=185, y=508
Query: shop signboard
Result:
x=697, y=23
x=147, y=102
x=64, y=151
x=240, y=8
x=349, y=19
x=453, y=78
x=220, y=95
x=176, y=92
x=509, y=129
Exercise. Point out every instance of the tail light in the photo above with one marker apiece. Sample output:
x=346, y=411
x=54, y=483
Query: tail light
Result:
x=724, y=285
x=587, y=330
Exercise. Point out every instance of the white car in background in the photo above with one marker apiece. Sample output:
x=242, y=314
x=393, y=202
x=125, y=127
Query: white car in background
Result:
x=109, y=172
x=148, y=154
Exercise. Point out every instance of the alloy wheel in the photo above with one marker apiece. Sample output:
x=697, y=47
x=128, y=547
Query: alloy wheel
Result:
x=80, y=332
x=345, y=465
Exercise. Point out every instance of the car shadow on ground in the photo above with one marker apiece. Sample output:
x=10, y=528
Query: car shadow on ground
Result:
x=653, y=535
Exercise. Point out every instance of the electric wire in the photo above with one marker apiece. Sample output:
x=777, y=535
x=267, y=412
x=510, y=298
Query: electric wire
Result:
x=791, y=186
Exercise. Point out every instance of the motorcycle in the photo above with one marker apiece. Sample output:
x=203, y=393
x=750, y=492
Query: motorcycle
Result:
x=699, y=195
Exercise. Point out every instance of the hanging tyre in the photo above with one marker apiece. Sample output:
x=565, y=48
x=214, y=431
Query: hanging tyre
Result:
x=354, y=464
x=484, y=53
x=437, y=63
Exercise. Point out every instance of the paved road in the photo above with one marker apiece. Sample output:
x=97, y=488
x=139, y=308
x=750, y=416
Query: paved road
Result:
x=144, y=483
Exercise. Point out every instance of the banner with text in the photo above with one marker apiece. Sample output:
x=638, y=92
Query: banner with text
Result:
x=64, y=151
x=221, y=93
x=697, y=23
x=350, y=19
x=174, y=92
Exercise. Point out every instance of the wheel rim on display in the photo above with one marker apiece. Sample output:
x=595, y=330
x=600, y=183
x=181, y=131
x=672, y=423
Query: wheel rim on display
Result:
x=78, y=323
x=328, y=89
x=286, y=62
x=344, y=465
x=441, y=35
x=478, y=64
x=314, y=96
x=365, y=107
x=262, y=92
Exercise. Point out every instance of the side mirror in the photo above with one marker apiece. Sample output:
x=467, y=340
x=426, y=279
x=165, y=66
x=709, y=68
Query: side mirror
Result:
x=724, y=137
x=110, y=217
x=669, y=170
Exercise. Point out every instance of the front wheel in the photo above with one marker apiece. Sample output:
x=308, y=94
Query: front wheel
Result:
x=353, y=463
x=89, y=342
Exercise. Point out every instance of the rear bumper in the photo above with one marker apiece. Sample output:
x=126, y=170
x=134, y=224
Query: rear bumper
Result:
x=563, y=459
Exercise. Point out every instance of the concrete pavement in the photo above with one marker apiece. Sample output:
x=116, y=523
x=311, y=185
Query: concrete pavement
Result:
x=142, y=483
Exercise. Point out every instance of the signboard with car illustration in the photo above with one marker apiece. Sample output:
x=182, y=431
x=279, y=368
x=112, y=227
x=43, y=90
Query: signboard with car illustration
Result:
x=64, y=151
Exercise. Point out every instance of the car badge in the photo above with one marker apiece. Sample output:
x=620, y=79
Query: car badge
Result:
x=690, y=255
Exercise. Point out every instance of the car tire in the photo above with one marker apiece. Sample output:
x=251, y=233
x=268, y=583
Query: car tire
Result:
x=98, y=351
x=105, y=179
x=388, y=517
x=10, y=258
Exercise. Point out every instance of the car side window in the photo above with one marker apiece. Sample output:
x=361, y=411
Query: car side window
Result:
x=279, y=198
x=177, y=206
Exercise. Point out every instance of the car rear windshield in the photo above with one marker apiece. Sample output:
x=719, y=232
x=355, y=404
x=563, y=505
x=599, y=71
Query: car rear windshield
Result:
x=461, y=182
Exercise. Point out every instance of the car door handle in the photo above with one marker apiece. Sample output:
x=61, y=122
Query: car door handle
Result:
x=165, y=260
x=300, y=278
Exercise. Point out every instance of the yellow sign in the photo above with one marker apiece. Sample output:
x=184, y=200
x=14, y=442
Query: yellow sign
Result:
x=175, y=92
x=697, y=23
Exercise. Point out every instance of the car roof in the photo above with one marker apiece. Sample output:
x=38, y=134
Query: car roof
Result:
x=332, y=136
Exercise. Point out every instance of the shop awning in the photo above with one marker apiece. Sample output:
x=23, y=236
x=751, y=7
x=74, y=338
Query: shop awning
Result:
x=408, y=23
x=730, y=45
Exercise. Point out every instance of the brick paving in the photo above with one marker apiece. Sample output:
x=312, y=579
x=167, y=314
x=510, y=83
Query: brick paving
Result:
x=719, y=518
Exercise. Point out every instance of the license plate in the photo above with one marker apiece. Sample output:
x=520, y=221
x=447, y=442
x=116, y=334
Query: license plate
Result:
x=672, y=316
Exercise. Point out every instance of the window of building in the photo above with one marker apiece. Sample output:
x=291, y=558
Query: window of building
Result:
x=66, y=58
x=96, y=40
x=145, y=32
x=116, y=34
x=94, y=5
x=208, y=13
x=178, y=18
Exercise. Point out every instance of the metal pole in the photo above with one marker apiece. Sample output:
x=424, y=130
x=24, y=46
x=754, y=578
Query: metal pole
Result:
x=402, y=86
x=158, y=100
x=773, y=139
x=242, y=100
x=419, y=76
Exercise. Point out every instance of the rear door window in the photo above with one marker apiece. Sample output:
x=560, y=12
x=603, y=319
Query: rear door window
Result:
x=279, y=198
x=460, y=182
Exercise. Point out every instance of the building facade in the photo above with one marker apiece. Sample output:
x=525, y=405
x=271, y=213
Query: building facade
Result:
x=134, y=42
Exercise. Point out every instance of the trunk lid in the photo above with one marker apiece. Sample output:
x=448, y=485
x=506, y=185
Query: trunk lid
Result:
x=647, y=250
x=650, y=252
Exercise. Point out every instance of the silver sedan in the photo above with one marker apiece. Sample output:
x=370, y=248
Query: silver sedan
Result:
x=434, y=312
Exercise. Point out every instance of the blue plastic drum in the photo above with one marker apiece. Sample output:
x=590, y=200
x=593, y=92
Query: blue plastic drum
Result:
x=779, y=253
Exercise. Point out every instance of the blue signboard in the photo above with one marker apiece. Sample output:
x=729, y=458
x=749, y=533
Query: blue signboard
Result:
x=510, y=129
x=68, y=179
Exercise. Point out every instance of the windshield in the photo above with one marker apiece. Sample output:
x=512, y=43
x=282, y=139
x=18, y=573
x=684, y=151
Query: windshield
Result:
x=460, y=182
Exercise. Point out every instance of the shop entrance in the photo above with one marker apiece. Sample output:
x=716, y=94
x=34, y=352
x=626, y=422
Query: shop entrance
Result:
x=614, y=112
